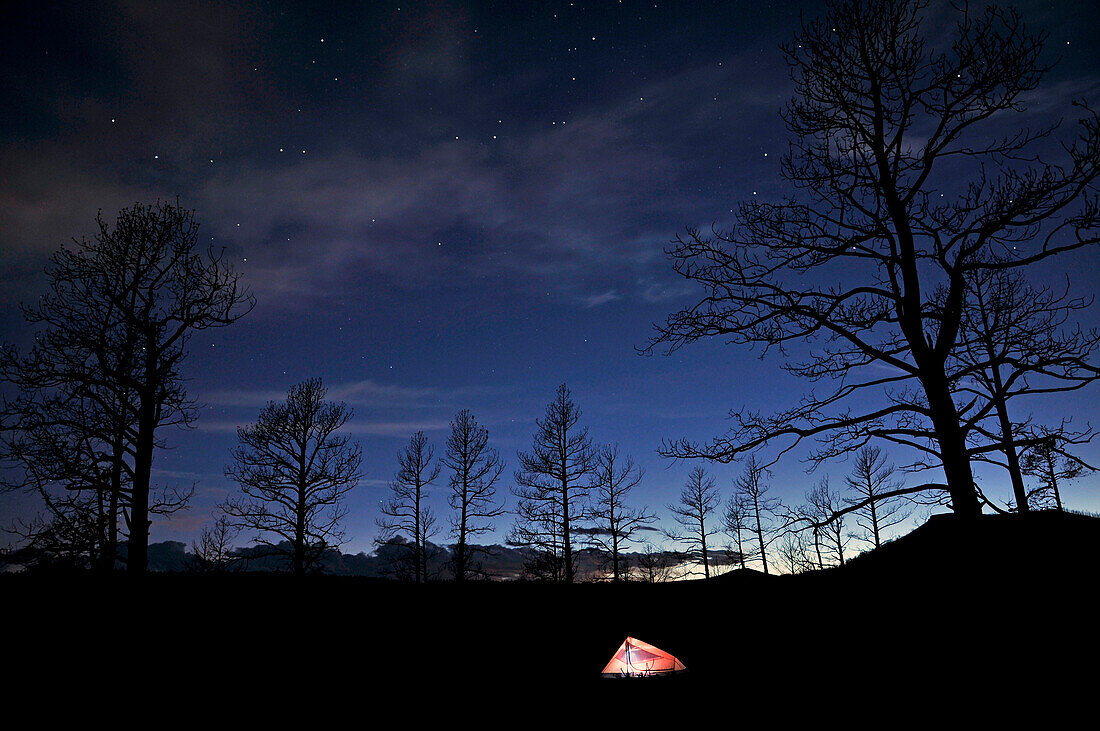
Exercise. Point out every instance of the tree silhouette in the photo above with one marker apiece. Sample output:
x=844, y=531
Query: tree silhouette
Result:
x=822, y=503
x=793, y=553
x=104, y=376
x=735, y=522
x=698, y=500
x=475, y=468
x=654, y=566
x=615, y=525
x=1052, y=467
x=872, y=477
x=753, y=494
x=551, y=485
x=66, y=537
x=70, y=449
x=406, y=511
x=904, y=197
x=294, y=469
x=213, y=553
x=1015, y=342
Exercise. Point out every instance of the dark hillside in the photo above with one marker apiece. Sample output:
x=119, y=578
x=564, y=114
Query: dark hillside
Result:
x=1041, y=543
x=936, y=604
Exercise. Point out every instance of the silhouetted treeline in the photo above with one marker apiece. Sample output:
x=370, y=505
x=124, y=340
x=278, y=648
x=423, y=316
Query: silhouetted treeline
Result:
x=386, y=561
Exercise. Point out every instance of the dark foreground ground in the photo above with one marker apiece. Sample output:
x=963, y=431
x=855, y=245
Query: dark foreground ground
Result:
x=952, y=613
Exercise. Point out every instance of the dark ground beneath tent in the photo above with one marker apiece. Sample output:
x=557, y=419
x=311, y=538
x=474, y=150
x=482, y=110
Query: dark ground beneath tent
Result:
x=940, y=609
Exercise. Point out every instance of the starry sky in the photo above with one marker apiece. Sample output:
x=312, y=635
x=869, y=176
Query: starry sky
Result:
x=438, y=206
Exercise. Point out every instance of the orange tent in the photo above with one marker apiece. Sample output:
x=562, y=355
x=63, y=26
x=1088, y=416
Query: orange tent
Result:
x=635, y=657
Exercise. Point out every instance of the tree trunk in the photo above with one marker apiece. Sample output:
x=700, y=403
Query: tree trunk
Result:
x=760, y=537
x=999, y=401
x=703, y=541
x=1052, y=478
x=567, y=549
x=1013, y=459
x=460, y=559
x=929, y=362
x=418, y=539
x=138, y=547
x=299, y=548
x=300, y=511
x=614, y=551
x=956, y=460
x=460, y=549
x=874, y=515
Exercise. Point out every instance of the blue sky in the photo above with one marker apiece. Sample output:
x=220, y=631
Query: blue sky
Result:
x=437, y=205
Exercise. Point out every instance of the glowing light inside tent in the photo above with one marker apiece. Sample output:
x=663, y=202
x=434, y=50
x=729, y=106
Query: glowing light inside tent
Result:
x=635, y=658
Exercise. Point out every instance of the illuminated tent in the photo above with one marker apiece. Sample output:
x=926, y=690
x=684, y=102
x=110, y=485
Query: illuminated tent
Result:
x=635, y=657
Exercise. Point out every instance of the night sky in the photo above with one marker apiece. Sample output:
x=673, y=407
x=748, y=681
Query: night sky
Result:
x=438, y=206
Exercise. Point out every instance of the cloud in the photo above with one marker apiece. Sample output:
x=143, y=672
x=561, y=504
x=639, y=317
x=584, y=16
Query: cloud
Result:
x=1056, y=99
x=362, y=393
x=355, y=426
x=387, y=410
x=46, y=201
x=553, y=202
x=396, y=428
x=654, y=291
x=547, y=201
x=185, y=476
x=591, y=531
x=227, y=426
x=601, y=299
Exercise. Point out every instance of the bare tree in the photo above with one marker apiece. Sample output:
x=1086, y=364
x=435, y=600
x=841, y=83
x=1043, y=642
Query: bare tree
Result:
x=735, y=521
x=805, y=518
x=793, y=553
x=63, y=444
x=213, y=551
x=475, y=469
x=105, y=373
x=538, y=533
x=294, y=469
x=615, y=525
x=1015, y=342
x=822, y=505
x=551, y=485
x=405, y=511
x=64, y=537
x=761, y=508
x=873, y=477
x=698, y=500
x=1052, y=467
x=904, y=197
x=654, y=566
